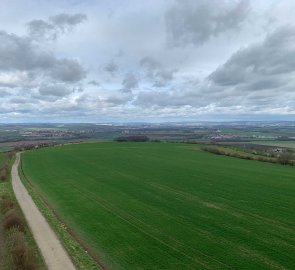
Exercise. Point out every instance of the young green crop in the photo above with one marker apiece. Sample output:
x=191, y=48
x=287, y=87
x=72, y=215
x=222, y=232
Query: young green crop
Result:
x=170, y=206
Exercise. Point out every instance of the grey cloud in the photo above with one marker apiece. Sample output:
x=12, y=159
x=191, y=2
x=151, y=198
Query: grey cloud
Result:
x=20, y=54
x=4, y=92
x=159, y=75
x=173, y=98
x=41, y=29
x=196, y=21
x=20, y=100
x=65, y=21
x=94, y=82
x=160, y=99
x=262, y=84
x=162, y=77
x=150, y=64
x=207, y=97
x=8, y=84
x=111, y=67
x=118, y=99
x=67, y=70
x=120, y=53
x=57, y=90
x=54, y=26
x=130, y=82
x=266, y=65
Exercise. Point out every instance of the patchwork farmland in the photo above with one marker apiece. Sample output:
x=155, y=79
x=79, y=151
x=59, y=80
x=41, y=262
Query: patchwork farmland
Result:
x=169, y=206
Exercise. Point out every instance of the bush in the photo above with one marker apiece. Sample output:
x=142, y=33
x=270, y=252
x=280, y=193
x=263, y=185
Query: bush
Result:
x=286, y=158
x=22, y=255
x=6, y=204
x=4, y=172
x=213, y=150
x=13, y=220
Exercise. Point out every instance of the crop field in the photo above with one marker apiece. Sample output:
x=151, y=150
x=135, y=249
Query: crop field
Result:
x=170, y=206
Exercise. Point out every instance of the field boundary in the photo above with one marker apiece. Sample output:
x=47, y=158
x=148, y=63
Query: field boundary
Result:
x=82, y=256
x=225, y=151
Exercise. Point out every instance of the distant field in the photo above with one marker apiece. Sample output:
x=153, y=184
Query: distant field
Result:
x=169, y=206
x=243, y=132
x=288, y=144
x=5, y=148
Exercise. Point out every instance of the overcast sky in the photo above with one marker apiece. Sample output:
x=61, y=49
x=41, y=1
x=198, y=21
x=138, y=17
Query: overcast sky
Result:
x=157, y=60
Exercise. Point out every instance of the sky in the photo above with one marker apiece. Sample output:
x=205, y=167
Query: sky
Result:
x=153, y=61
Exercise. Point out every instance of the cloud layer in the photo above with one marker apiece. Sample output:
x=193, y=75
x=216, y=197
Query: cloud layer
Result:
x=154, y=61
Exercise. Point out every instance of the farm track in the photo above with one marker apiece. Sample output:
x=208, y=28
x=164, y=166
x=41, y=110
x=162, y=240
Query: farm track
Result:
x=55, y=256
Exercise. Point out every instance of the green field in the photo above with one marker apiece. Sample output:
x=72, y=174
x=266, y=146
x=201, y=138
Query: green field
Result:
x=170, y=206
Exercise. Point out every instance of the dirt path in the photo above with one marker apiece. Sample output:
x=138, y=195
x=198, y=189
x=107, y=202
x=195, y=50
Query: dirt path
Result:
x=55, y=256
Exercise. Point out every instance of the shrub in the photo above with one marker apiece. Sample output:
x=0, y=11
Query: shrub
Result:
x=22, y=255
x=6, y=203
x=13, y=220
x=285, y=158
x=213, y=150
x=4, y=171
